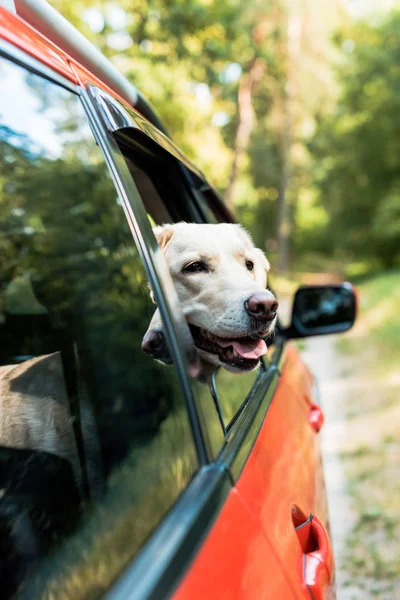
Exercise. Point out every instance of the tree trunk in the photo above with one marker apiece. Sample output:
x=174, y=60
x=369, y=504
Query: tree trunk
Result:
x=284, y=226
x=285, y=213
x=245, y=124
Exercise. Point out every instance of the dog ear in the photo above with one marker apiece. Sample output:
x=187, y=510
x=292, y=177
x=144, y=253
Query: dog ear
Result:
x=163, y=234
x=244, y=235
x=261, y=258
x=264, y=263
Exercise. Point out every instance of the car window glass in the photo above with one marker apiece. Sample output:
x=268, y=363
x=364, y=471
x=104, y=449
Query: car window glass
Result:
x=95, y=442
x=232, y=390
x=214, y=206
x=158, y=178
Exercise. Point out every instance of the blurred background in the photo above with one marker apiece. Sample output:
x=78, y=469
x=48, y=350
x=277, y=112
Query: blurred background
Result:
x=292, y=110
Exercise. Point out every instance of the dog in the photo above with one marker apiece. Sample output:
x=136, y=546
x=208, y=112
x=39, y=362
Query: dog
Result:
x=220, y=278
x=34, y=409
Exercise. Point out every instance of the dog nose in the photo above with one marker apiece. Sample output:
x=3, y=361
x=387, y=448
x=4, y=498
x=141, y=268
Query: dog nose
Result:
x=152, y=342
x=262, y=306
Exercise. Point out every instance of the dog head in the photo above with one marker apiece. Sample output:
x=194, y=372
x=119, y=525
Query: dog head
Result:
x=220, y=278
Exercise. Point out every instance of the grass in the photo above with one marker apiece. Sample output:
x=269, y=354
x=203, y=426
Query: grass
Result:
x=371, y=354
x=377, y=332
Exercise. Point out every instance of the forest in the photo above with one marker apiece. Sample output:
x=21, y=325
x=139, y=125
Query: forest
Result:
x=290, y=108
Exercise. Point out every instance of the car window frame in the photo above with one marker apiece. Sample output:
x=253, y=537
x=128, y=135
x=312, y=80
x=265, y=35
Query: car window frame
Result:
x=105, y=109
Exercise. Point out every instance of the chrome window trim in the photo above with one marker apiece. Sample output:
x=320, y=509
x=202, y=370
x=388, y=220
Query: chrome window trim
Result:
x=23, y=59
x=115, y=117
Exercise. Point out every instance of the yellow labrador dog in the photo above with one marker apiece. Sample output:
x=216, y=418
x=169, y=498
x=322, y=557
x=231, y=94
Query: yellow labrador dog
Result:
x=221, y=279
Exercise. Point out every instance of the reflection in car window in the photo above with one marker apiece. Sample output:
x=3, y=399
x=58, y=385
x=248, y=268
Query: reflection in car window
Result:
x=95, y=443
x=232, y=390
x=158, y=178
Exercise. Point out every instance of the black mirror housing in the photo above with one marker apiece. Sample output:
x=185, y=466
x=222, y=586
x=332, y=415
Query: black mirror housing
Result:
x=321, y=310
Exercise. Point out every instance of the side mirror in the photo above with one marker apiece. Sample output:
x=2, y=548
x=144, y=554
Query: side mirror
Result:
x=322, y=309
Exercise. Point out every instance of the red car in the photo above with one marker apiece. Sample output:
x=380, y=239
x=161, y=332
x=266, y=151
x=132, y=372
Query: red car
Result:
x=120, y=477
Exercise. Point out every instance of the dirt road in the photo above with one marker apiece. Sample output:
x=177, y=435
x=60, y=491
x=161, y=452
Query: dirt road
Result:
x=362, y=462
x=320, y=355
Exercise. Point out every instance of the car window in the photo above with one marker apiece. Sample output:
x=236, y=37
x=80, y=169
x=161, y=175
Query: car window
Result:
x=167, y=199
x=95, y=442
x=166, y=195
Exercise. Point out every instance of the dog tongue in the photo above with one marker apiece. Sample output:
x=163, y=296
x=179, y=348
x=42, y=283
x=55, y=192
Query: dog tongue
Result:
x=248, y=349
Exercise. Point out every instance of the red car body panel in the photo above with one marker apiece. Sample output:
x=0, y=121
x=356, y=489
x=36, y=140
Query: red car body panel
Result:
x=253, y=550
x=23, y=36
x=236, y=561
x=281, y=475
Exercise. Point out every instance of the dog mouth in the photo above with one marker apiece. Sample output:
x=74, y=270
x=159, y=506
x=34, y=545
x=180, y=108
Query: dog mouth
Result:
x=241, y=352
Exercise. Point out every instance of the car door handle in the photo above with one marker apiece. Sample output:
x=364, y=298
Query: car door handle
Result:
x=317, y=557
x=316, y=417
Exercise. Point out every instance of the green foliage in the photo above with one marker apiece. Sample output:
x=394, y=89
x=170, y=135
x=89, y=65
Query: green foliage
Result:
x=187, y=57
x=356, y=148
x=340, y=137
x=386, y=229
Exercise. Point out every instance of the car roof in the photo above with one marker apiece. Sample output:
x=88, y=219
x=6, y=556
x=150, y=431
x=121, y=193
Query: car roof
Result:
x=17, y=32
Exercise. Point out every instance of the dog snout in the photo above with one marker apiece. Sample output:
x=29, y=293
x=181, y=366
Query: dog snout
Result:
x=153, y=342
x=262, y=306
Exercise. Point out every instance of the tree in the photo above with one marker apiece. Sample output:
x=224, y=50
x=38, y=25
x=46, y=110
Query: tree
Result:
x=238, y=85
x=357, y=147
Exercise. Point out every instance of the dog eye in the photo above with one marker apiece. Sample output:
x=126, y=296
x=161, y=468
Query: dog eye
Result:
x=195, y=267
x=249, y=265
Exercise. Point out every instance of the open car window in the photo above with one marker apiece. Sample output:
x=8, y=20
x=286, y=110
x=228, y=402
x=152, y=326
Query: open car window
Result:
x=167, y=198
